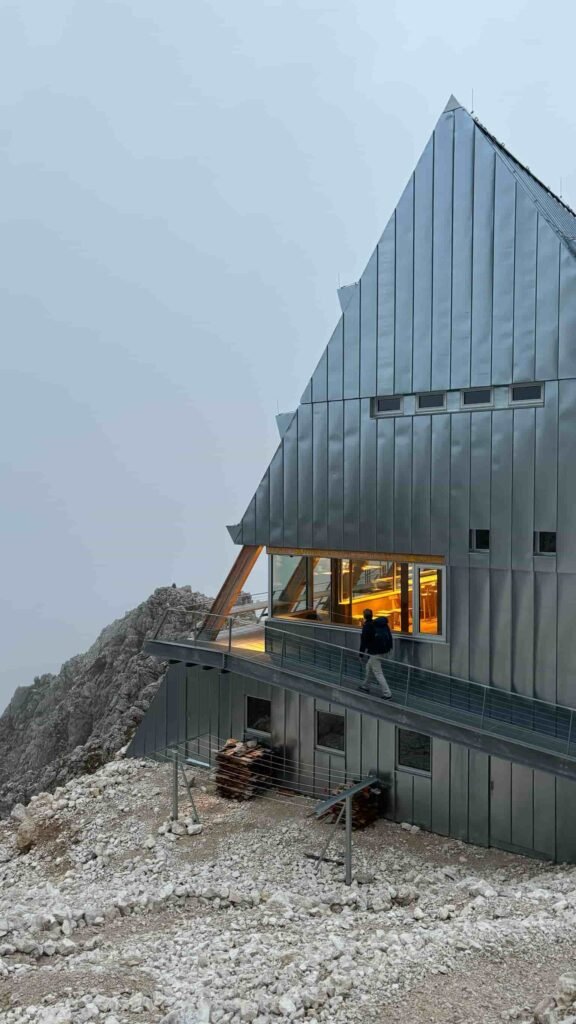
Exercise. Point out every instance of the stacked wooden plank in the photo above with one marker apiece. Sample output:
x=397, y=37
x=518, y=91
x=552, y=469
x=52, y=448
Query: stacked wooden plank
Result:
x=242, y=769
x=366, y=807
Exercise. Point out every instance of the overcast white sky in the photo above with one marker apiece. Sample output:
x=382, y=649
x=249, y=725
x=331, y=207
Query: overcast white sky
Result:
x=183, y=185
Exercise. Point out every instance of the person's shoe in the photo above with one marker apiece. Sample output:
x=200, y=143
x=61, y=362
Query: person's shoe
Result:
x=386, y=696
x=364, y=689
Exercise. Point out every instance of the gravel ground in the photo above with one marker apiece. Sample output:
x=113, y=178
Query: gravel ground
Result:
x=104, y=919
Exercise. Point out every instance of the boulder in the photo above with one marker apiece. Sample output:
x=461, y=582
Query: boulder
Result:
x=566, y=990
x=26, y=835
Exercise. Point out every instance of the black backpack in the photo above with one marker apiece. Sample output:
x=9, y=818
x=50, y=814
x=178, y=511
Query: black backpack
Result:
x=382, y=635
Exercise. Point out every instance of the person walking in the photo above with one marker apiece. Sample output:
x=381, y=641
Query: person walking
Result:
x=376, y=639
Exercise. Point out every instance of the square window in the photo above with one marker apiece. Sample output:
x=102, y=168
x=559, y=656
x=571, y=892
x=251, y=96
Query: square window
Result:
x=479, y=540
x=387, y=405
x=330, y=731
x=434, y=400
x=258, y=714
x=545, y=542
x=521, y=394
x=477, y=396
x=413, y=750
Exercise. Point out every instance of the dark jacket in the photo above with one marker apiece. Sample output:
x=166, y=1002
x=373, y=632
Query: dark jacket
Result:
x=371, y=640
x=368, y=642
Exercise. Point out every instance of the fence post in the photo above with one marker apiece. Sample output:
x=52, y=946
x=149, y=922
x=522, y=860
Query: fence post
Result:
x=407, y=685
x=229, y=633
x=348, y=840
x=483, y=707
x=341, y=667
x=283, y=650
x=175, y=786
x=570, y=732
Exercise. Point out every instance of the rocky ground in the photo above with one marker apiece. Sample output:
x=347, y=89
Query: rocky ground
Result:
x=105, y=918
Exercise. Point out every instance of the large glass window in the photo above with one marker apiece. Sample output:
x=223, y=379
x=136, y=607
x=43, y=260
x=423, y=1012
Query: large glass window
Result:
x=338, y=590
x=289, y=585
x=430, y=600
x=321, y=585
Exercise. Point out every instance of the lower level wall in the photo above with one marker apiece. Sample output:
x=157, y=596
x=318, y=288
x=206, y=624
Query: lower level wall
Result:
x=467, y=795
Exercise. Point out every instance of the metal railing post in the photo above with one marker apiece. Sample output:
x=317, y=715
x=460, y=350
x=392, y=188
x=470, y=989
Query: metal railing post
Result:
x=341, y=667
x=283, y=650
x=483, y=707
x=175, y=786
x=408, y=684
x=570, y=733
x=229, y=633
x=348, y=840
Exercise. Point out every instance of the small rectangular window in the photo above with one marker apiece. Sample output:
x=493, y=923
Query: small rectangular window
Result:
x=479, y=540
x=258, y=714
x=413, y=750
x=526, y=394
x=477, y=396
x=545, y=542
x=330, y=731
x=387, y=405
x=434, y=400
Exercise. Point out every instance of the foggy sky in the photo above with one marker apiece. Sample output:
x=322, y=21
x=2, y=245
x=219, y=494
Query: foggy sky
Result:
x=183, y=185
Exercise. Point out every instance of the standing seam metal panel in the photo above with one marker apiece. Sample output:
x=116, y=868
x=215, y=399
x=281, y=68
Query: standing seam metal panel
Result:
x=336, y=474
x=525, y=288
x=368, y=326
x=442, y=246
x=423, y=209
x=320, y=475
x=462, y=235
x=482, y=262
x=386, y=309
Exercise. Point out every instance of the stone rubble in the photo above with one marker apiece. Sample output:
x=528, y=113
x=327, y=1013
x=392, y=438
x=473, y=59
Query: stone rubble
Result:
x=229, y=921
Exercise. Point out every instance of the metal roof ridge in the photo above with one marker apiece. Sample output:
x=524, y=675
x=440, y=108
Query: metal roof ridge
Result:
x=522, y=166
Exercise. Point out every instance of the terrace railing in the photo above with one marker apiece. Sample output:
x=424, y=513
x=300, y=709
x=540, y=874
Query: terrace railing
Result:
x=540, y=724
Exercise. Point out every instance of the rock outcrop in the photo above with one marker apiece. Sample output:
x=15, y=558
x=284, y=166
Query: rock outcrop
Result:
x=67, y=724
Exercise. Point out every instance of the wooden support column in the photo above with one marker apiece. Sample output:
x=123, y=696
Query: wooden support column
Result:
x=228, y=594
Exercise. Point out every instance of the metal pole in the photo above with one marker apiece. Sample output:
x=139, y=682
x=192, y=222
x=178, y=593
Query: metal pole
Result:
x=341, y=665
x=229, y=633
x=329, y=840
x=175, y=787
x=283, y=650
x=348, y=840
x=483, y=707
x=570, y=732
x=408, y=684
x=190, y=797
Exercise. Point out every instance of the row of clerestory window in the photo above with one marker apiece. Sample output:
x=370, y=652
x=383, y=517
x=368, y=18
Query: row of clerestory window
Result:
x=470, y=398
x=544, y=541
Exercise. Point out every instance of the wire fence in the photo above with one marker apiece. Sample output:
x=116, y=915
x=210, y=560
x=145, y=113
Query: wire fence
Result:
x=300, y=782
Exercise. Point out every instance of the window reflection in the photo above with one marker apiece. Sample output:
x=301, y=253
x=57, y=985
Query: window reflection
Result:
x=338, y=590
x=289, y=590
x=430, y=601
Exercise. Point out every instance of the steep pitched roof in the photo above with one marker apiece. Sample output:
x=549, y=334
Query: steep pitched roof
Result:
x=473, y=282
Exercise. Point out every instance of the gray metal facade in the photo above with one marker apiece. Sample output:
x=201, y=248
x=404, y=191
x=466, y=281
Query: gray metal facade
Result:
x=472, y=283
x=468, y=794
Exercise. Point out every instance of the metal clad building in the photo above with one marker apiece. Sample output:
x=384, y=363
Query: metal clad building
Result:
x=427, y=474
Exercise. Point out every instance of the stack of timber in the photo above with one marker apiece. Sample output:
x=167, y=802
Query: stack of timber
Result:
x=242, y=769
x=366, y=807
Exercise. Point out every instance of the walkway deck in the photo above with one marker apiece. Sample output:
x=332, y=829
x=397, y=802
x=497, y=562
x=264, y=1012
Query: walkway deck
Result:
x=508, y=725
